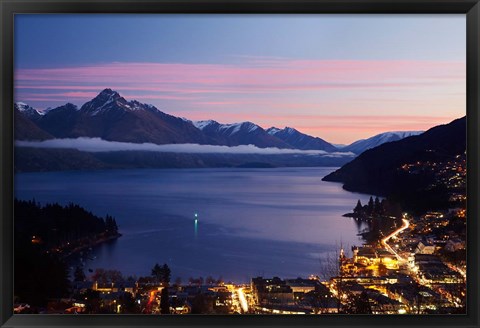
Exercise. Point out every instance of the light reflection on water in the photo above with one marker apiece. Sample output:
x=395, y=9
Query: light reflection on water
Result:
x=250, y=221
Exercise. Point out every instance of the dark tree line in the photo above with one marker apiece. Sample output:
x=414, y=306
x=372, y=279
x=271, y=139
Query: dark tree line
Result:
x=377, y=208
x=55, y=226
x=162, y=274
x=372, y=208
x=40, y=273
x=39, y=276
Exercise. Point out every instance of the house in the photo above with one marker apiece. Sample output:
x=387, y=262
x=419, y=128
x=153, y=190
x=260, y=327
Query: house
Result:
x=271, y=291
x=454, y=245
x=424, y=247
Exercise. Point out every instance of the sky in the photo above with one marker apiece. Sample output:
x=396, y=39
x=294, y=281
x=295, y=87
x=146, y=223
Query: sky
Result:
x=338, y=77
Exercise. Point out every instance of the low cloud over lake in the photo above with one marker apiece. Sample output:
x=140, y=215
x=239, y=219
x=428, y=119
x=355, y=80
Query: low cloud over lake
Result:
x=100, y=145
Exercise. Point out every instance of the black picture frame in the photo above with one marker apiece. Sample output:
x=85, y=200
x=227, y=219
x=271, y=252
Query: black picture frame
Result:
x=9, y=8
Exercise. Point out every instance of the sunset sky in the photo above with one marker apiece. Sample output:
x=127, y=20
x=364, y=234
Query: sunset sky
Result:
x=338, y=77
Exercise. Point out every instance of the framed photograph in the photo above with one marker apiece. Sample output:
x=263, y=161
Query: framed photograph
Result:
x=247, y=163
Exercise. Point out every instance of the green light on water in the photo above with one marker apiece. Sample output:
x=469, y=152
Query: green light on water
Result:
x=196, y=224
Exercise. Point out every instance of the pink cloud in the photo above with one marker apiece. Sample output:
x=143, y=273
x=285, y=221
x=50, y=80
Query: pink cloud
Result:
x=279, y=75
x=272, y=91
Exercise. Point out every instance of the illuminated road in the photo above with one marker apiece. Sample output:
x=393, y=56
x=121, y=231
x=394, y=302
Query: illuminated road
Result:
x=243, y=300
x=151, y=299
x=405, y=225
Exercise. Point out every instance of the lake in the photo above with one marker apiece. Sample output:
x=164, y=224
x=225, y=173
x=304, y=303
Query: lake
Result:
x=251, y=222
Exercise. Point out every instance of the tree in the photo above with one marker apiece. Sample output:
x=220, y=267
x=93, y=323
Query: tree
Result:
x=107, y=276
x=164, y=302
x=376, y=206
x=166, y=274
x=178, y=282
x=92, y=301
x=210, y=280
x=128, y=304
x=79, y=275
x=370, y=206
x=358, y=208
x=357, y=304
x=111, y=225
x=157, y=272
x=38, y=276
x=363, y=304
x=162, y=273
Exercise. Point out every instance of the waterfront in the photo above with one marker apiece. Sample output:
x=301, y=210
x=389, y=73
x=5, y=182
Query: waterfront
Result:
x=251, y=221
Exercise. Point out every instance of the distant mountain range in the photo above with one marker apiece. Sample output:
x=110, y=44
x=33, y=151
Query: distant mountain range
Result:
x=111, y=117
x=360, y=146
x=300, y=140
x=245, y=133
x=377, y=171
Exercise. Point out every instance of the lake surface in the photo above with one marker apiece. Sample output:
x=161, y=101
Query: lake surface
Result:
x=270, y=222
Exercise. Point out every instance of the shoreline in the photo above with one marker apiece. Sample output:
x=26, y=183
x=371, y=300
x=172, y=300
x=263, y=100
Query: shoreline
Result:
x=94, y=243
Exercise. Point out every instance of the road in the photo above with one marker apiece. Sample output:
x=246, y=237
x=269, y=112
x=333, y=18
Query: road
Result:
x=405, y=225
x=243, y=300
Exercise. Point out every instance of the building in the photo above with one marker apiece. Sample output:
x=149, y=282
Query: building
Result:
x=424, y=247
x=271, y=291
x=302, y=286
x=454, y=245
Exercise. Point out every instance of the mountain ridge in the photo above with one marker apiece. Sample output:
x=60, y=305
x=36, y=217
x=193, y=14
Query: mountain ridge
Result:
x=377, y=171
x=111, y=117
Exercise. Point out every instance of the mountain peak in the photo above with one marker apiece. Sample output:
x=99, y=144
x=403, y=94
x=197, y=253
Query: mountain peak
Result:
x=289, y=130
x=107, y=95
x=105, y=100
x=27, y=110
x=272, y=130
x=108, y=92
x=362, y=145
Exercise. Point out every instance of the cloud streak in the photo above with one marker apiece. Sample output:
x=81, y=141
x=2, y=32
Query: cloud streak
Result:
x=99, y=145
x=271, y=91
x=250, y=77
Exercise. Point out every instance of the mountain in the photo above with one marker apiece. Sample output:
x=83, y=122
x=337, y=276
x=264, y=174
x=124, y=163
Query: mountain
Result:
x=378, y=170
x=26, y=129
x=27, y=110
x=299, y=140
x=30, y=159
x=360, y=146
x=110, y=117
x=60, y=121
x=244, y=133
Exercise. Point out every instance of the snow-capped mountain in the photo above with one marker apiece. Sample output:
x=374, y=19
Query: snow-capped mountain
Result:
x=28, y=111
x=360, y=146
x=109, y=100
x=25, y=126
x=111, y=117
x=299, y=140
x=243, y=133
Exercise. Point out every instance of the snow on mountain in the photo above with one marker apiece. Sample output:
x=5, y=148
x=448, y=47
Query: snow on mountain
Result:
x=203, y=124
x=234, y=128
x=272, y=130
x=242, y=133
x=28, y=110
x=360, y=146
x=226, y=129
x=109, y=99
x=299, y=140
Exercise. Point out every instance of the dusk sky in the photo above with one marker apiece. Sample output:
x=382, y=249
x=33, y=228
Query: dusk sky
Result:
x=338, y=77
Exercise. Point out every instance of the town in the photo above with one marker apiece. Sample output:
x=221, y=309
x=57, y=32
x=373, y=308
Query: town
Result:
x=411, y=264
